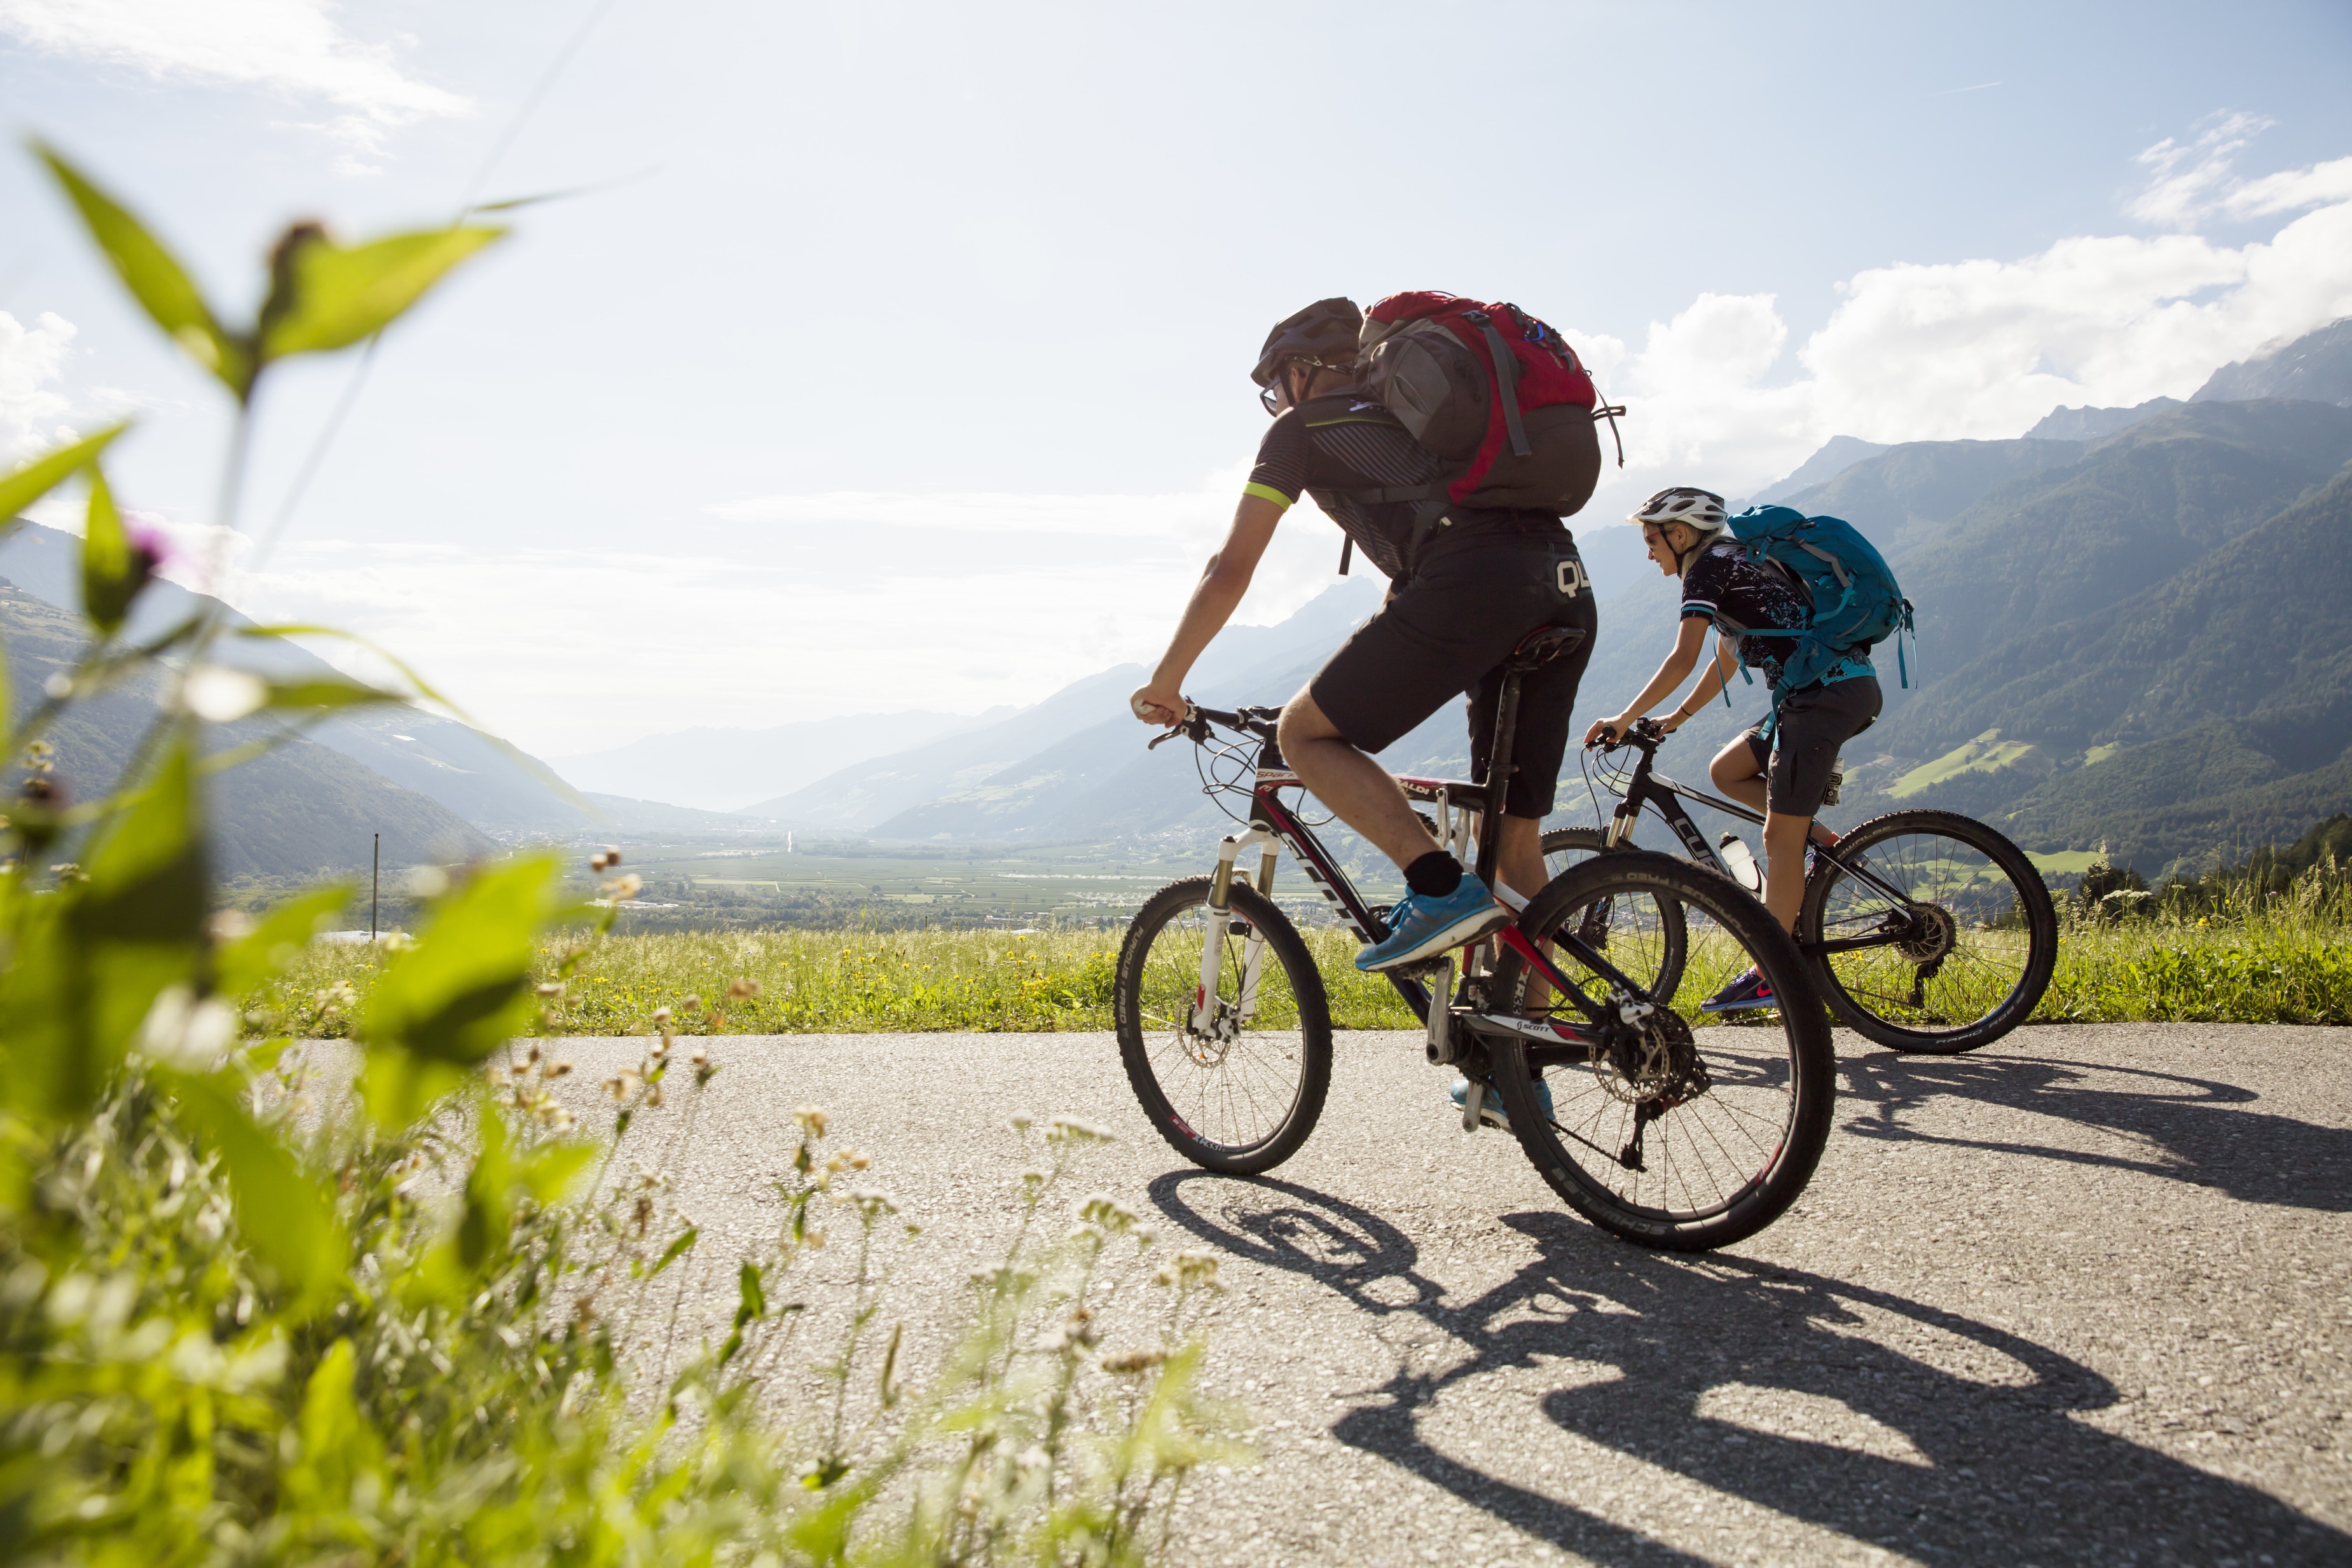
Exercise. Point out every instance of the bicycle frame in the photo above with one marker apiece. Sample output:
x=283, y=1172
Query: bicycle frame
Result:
x=1273, y=823
x=1648, y=787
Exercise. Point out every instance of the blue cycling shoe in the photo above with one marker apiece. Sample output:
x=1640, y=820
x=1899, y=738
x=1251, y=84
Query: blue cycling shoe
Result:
x=1490, y=1102
x=1423, y=926
x=1749, y=990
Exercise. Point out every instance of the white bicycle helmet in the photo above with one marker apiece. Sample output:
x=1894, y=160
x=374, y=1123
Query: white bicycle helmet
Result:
x=1699, y=511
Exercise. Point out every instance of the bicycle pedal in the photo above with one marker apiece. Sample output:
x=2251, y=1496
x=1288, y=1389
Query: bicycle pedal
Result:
x=1470, y=1106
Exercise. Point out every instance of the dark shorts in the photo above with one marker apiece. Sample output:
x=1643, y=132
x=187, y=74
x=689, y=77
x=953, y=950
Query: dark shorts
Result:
x=1447, y=634
x=1814, y=723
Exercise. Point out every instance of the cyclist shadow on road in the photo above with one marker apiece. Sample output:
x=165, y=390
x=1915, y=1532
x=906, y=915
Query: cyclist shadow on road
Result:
x=1990, y=1464
x=2187, y=1129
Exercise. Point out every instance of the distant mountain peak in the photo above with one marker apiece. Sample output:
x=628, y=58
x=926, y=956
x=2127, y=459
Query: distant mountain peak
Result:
x=2313, y=368
x=2087, y=423
x=1837, y=454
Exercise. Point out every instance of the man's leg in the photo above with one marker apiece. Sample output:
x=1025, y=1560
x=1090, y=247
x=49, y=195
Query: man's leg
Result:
x=1360, y=792
x=1784, y=865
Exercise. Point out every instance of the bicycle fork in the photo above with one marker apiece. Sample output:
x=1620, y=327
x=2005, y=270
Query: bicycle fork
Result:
x=1205, y=1022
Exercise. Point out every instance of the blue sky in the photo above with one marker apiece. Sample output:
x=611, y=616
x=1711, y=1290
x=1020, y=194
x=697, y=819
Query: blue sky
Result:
x=900, y=362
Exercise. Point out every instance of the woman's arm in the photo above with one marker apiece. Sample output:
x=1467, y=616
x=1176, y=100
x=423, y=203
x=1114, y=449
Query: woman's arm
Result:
x=1161, y=699
x=1670, y=675
x=1717, y=676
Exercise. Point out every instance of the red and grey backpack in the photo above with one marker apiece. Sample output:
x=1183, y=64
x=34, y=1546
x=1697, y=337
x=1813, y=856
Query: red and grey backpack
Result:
x=1490, y=389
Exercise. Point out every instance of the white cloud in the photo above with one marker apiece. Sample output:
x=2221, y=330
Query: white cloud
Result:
x=2185, y=177
x=291, y=47
x=859, y=602
x=30, y=359
x=1983, y=349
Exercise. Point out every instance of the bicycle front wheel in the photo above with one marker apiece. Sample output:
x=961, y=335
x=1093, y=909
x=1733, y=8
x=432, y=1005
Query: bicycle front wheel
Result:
x=1958, y=959
x=1233, y=1080
x=1675, y=1129
x=1646, y=940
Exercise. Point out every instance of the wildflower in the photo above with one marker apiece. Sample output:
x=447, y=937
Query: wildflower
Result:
x=220, y=695
x=1070, y=1129
x=661, y=1014
x=625, y=887
x=810, y=1120
x=1021, y=1124
x=551, y=989
x=621, y=1085
x=873, y=1201
x=1127, y=1362
x=692, y=1004
x=743, y=989
x=560, y=1065
x=1102, y=1210
x=654, y=1095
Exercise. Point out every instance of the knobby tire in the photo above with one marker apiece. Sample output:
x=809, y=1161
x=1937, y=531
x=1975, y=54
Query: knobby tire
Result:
x=1721, y=1163
x=1217, y=1105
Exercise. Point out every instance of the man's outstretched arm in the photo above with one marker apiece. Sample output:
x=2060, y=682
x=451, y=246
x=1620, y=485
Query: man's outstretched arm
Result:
x=1161, y=699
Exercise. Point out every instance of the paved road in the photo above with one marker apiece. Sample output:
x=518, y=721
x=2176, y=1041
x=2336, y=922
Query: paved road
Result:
x=2083, y=1296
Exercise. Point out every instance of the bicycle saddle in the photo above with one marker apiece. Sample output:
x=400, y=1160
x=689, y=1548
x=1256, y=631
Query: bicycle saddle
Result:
x=1543, y=645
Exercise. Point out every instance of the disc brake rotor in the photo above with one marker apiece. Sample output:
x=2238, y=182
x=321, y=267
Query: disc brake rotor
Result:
x=1655, y=1061
x=1930, y=932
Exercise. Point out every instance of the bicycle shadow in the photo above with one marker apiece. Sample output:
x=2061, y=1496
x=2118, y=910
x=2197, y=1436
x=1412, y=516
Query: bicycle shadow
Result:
x=1990, y=1470
x=2183, y=1124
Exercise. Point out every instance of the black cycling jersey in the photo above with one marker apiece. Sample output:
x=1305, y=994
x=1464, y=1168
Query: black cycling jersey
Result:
x=1724, y=584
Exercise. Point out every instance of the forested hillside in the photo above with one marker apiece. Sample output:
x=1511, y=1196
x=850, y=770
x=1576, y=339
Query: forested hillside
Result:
x=292, y=812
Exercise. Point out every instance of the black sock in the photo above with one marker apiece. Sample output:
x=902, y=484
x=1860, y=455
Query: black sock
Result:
x=1434, y=875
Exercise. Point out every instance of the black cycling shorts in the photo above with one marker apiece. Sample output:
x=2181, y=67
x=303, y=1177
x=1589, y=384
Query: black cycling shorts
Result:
x=1446, y=633
x=1814, y=722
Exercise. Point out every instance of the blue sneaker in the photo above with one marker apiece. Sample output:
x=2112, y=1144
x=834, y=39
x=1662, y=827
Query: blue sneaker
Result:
x=1422, y=927
x=1490, y=1102
x=1751, y=990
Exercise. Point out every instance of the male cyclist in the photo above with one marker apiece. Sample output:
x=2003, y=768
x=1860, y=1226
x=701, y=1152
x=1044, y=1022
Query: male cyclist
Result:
x=1459, y=601
x=1781, y=765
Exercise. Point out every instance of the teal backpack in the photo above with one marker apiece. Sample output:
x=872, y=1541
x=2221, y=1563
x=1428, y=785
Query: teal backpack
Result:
x=1857, y=603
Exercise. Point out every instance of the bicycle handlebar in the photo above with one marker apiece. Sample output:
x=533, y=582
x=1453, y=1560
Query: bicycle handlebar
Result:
x=1194, y=725
x=1643, y=735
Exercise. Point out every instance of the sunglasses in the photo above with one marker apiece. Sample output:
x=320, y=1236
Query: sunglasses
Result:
x=1276, y=395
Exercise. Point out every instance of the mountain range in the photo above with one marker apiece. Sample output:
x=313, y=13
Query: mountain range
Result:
x=2096, y=625
x=2134, y=630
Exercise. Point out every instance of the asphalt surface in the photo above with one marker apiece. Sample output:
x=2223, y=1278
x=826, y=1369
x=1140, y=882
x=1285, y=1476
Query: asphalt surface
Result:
x=2083, y=1297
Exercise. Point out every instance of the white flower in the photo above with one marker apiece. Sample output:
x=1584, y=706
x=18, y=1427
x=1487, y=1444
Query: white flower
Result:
x=182, y=1032
x=221, y=695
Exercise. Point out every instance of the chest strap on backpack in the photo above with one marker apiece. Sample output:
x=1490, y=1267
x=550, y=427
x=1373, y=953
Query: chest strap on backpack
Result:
x=1507, y=377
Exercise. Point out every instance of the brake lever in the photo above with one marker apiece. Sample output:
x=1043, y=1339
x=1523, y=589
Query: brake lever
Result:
x=1191, y=725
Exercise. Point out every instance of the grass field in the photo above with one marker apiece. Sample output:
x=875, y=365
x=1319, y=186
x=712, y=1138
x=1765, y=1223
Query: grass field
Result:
x=2284, y=969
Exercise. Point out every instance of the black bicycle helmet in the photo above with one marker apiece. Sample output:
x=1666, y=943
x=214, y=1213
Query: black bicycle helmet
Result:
x=1322, y=334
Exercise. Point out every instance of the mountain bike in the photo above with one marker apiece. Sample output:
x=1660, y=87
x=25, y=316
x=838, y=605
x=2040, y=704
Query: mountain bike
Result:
x=1667, y=1128
x=1926, y=931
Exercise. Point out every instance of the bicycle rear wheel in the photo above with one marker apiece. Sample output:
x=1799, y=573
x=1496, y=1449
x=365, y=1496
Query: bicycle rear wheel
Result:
x=1240, y=1093
x=1970, y=944
x=1678, y=1131
x=1646, y=939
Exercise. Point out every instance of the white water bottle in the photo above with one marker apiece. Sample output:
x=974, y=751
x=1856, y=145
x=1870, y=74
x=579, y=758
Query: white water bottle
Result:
x=1740, y=863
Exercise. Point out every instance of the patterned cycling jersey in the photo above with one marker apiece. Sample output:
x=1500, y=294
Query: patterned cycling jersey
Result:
x=1725, y=586
x=1330, y=447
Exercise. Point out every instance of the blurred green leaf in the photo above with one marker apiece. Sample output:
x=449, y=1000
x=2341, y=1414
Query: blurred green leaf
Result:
x=482, y=1229
x=462, y=991
x=44, y=474
x=155, y=279
x=326, y=296
x=91, y=960
x=285, y=1215
x=552, y=1168
x=111, y=576
x=676, y=1250
x=270, y=948
x=326, y=696
x=338, y=1449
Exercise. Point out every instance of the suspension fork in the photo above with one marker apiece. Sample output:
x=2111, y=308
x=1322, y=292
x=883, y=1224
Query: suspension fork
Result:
x=1212, y=939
